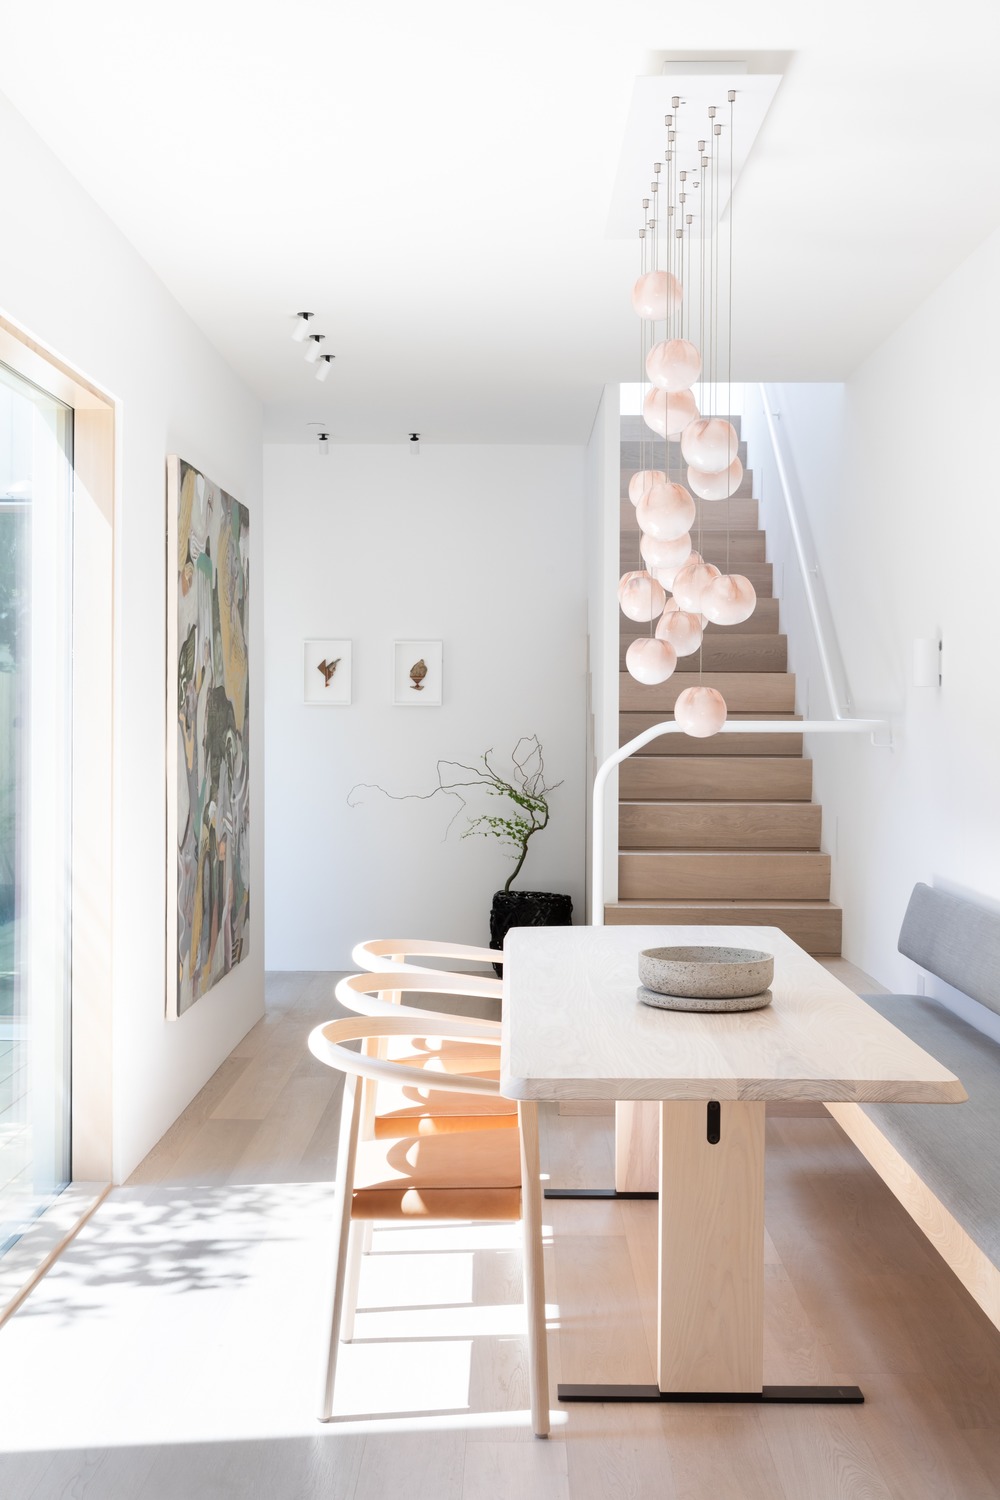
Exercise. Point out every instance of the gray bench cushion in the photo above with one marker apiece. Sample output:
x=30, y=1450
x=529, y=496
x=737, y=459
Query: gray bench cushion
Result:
x=953, y=1148
x=956, y=940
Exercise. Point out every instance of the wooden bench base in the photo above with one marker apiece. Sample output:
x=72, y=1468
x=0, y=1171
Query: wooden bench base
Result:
x=976, y=1272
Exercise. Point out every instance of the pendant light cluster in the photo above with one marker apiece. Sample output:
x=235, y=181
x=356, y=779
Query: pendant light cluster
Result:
x=676, y=297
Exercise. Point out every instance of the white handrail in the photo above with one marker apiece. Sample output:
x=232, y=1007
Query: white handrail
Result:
x=670, y=726
x=840, y=710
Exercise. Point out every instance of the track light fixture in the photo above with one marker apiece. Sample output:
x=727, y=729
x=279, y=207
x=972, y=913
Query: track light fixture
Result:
x=301, y=326
x=415, y=443
x=322, y=437
x=313, y=342
x=324, y=366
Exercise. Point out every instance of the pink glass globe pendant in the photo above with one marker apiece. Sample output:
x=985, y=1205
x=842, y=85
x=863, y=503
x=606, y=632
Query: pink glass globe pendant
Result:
x=665, y=512
x=665, y=558
x=673, y=365
x=641, y=482
x=650, y=661
x=716, y=486
x=656, y=294
x=710, y=444
x=691, y=583
x=681, y=409
x=682, y=630
x=700, y=711
x=729, y=599
x=641, y=597
x=667, y=413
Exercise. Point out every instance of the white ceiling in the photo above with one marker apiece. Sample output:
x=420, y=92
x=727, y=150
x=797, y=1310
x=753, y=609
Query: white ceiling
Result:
x=434, y=181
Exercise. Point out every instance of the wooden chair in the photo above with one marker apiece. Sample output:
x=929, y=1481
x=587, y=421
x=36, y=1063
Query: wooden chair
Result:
x=415, y=1106
x=399, y=953
x=472, y=1174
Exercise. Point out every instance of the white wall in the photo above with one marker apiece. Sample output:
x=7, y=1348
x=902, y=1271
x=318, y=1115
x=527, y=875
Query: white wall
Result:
x=603, y=464
x=898, y=470
x=483, y=549
x=73, y=282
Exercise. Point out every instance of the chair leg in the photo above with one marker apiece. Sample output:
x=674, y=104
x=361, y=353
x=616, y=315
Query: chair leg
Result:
x=347, y=1152
x=534, y=1276
x=355, y=1248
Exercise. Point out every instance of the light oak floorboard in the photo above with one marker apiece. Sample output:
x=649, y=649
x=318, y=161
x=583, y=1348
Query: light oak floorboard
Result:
x=192, y=1267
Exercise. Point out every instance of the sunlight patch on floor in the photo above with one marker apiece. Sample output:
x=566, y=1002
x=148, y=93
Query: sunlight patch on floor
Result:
x=203, y=1310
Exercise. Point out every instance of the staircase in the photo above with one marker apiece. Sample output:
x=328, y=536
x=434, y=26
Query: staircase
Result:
x=722, y=830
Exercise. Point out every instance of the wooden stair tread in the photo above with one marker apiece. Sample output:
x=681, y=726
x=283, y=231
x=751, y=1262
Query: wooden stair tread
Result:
x=709, y=778
x=815, y=925
x=748, y=903
x=735, y=652
x=744, y=692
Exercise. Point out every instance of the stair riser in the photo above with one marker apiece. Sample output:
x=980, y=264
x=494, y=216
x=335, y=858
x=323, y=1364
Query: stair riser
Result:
x=765, y=620
x=738, y=514
x=656, y=778
x=633, y=428
x=816, y=929
x=744, y=692
x=719, y=825
x=753, y=876
x=647, y=452
x=746, y=549
x=728, y=745
x=761, y=575
x=719, y=653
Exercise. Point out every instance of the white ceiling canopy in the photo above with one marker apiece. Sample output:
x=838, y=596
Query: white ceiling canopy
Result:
x=697, y=90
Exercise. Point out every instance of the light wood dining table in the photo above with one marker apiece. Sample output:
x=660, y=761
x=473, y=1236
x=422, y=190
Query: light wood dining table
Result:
x=574, y=1028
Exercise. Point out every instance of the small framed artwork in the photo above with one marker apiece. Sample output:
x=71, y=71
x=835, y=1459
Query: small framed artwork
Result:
x=326, y=667
x=416, y=674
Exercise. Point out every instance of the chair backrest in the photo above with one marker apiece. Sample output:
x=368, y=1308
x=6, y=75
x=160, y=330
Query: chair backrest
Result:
x=396, y=953
x=328, y=1043
x=956, y=940
x=363, y=994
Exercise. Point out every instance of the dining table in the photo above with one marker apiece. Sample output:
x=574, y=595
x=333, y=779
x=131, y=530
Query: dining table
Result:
x=575, y=1028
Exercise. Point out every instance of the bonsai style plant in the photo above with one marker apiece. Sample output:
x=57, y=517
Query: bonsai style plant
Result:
x=525, y=793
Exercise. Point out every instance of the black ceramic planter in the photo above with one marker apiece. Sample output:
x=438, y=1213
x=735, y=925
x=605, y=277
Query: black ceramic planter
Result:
x=526, y=909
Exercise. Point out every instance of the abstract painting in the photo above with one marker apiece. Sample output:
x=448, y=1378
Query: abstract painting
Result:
x=208, y=790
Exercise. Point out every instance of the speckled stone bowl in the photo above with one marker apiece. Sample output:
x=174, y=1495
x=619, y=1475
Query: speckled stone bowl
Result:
x=705, y=973
x=705, y=1004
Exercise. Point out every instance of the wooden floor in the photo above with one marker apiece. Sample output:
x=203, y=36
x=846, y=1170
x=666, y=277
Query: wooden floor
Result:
x=173, y=1352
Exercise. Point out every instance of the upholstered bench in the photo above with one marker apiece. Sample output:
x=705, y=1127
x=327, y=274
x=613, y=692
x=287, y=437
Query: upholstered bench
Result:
x=943, y=1164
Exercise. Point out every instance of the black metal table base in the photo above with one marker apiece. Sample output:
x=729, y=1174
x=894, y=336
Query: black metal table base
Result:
x=593, y=1193
x=823, y=1395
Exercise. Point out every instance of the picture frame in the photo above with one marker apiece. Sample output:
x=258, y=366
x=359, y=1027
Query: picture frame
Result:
x=326, y=673
x=417, y=674
x=208, y=734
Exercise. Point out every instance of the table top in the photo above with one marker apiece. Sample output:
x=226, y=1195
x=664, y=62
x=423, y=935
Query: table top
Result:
x=574, y=1028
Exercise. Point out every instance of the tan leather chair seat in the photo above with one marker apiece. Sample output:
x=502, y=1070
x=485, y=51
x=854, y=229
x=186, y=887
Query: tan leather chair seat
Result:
x=418, y=1108
x=471, y=1175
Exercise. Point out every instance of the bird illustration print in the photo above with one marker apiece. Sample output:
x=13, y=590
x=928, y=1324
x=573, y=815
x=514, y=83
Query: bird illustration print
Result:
x=327, y=668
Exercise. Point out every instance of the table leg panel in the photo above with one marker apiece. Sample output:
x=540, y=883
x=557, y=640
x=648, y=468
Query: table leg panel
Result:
x=637, y=1146
x=711, y=1255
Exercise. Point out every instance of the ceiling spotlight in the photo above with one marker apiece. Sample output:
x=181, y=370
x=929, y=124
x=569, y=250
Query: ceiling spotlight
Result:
x=313, y=341
x=301, y=326
x=415, y=442
x=323, y=439
x=324, y=366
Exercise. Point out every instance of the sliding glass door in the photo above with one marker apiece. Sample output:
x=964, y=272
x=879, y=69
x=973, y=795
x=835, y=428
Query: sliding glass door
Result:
x=36, y=436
